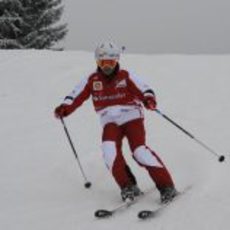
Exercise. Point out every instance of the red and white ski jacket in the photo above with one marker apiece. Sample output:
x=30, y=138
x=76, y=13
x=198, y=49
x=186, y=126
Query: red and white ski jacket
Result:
x=116, y=100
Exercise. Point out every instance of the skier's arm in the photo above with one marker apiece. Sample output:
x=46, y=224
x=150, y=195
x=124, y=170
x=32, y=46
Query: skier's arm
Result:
x=75, y=99
x=143, y=92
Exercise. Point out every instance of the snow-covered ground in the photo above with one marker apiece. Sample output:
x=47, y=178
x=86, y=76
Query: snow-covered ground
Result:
x=41, y=186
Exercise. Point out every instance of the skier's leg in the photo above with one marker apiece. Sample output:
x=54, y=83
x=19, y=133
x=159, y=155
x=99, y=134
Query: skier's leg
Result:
x=112, y=153
x=132, y=178
x=135, y=132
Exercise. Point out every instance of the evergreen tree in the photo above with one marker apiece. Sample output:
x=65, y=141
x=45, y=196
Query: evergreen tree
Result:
x=10, y=17
x=26, y=24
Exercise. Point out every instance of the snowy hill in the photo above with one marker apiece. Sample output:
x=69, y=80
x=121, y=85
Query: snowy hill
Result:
x=41, y=186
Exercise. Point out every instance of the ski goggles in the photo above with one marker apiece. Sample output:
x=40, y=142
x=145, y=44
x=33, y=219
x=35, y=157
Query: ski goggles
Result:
x=107, y=63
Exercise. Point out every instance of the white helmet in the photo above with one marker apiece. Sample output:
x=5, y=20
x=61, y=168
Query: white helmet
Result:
x=107, y=51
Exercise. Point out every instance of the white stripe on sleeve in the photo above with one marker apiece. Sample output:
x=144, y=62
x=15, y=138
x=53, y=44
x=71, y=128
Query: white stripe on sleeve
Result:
x=76, y=92
x=139, y=83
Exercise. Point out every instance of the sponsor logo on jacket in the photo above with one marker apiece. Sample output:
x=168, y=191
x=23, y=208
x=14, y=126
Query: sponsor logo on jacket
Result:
x=121, y=84
x=97, y=86
x=109, y=97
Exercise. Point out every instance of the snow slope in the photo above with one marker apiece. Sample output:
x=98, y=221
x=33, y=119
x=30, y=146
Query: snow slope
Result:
x=41, y=186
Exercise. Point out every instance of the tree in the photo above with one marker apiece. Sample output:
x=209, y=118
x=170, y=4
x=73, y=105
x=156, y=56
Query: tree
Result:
x=26, y=24
x=10, y=17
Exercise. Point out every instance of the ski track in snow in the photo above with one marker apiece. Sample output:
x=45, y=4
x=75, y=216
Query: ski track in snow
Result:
x=41, y=185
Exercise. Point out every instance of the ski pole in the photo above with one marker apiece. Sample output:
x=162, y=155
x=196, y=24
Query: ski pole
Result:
x=221, y=158
x=87, y=183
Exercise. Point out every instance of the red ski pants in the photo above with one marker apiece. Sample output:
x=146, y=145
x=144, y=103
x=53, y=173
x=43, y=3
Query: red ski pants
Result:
x=134, y=131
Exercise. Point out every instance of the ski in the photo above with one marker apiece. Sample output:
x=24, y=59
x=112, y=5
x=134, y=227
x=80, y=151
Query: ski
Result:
x=105, y=213
x=148, y=214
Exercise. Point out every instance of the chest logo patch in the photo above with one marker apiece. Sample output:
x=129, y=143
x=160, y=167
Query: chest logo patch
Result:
x=121, y=84
x=97, y=85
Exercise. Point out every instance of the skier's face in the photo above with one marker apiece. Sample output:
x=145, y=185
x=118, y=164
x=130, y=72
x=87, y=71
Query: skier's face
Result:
x=107, y=66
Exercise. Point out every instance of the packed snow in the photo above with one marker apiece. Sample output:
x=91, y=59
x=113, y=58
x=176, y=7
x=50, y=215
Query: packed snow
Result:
x=41, y=184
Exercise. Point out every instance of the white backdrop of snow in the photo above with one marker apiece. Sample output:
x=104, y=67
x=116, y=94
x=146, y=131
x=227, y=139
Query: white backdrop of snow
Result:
x=41, y=186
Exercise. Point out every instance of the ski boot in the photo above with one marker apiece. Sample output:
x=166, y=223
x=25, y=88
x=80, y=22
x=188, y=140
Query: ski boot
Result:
x=130, y=192
x=168, y=194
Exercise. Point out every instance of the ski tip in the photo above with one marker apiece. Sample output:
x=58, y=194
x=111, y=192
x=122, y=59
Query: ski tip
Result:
x=101, y=213
x=221, y=158
x=145, y=214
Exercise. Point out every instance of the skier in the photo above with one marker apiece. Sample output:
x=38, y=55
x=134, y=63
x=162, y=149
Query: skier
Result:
x=118, y=97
